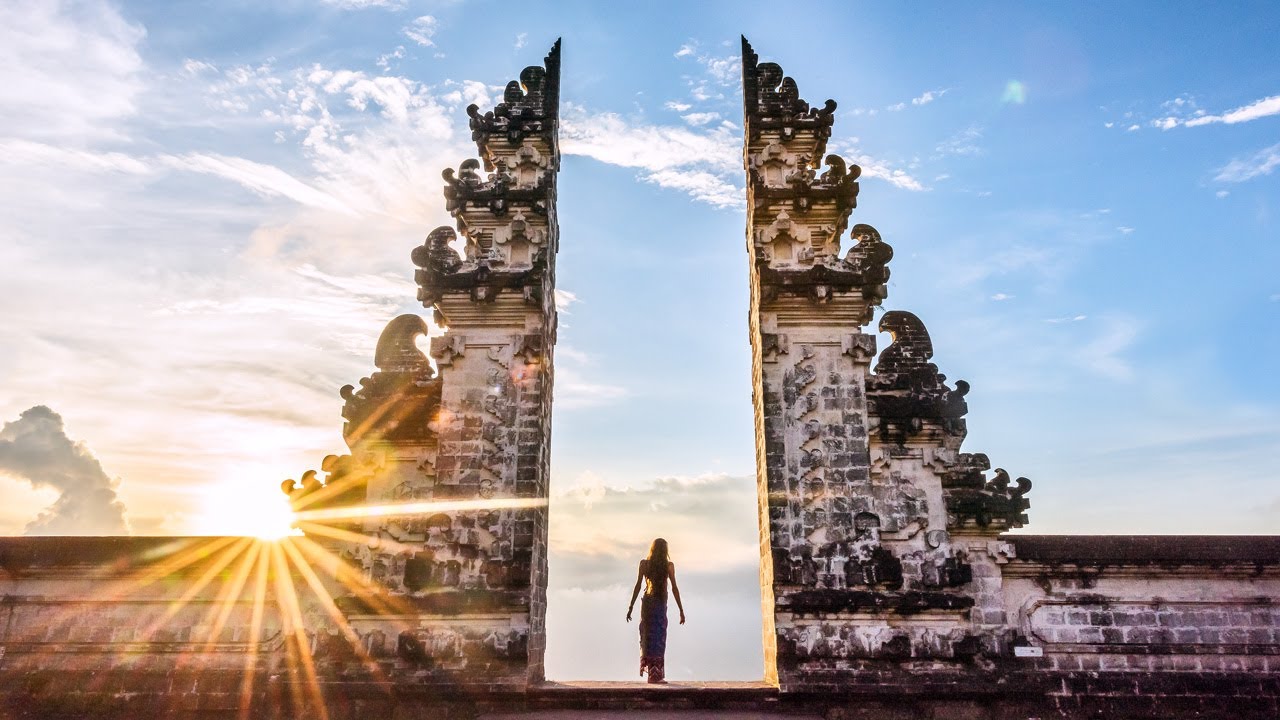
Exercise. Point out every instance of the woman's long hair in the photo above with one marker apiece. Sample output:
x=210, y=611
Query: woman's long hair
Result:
x=656, y=567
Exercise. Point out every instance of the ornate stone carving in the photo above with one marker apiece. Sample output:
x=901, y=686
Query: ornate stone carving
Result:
x=345, y=483
x=906, y=390
x=771, y=101
x=530, y=106
x=397, y=403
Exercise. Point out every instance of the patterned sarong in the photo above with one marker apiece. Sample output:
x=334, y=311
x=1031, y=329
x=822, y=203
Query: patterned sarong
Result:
x=653, y=637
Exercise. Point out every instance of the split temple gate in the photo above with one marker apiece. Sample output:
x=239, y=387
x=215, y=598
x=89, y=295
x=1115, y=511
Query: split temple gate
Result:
x=890, y=588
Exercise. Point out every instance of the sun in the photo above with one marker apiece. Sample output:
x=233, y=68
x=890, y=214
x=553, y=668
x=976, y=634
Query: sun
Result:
x=249, y=508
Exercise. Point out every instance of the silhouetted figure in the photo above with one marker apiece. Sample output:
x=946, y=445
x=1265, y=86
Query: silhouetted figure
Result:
x=654, y=571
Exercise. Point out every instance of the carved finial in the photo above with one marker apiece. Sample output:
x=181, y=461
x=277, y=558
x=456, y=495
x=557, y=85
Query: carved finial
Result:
x=771, y=101
x=397, y=402
x=910, y=347
x=530, y=106
x=397, y=347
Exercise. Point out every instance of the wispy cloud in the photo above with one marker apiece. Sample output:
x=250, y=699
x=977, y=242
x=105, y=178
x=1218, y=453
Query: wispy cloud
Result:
x=236, y=315
x=700, y=118
x=1260, y=163
x=422, y=30
x=963, y=143
x=363, y=4
x=924, y=98
x=877, y=168
x=704, y=163
x=1266, y=107
x=1104, y=354
x=897, y=177
x=928, y=96
x=521, y=40
x=51, y=93
x=260, y=178
x=720, y=73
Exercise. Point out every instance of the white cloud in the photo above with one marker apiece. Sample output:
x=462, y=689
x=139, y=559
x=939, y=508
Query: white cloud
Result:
x=35, y=448
x=363, y=4
x=1266, y=107
x=1124, y=229
x=1066, y=319
x=875, y=168
x=521, y=40
x=964, y=143
x=1132, y=128
x=928, y=96
x=1103, y=355
x=1260, y=163
x=236, y=318
x=29, y=154
x=998, y=297
x=897, y=107
x=384, y=61
x=71, y=73
x=700, y=185
x=260, y=178
x=713, y=514
x=1108, y=124
x=565, y=299
x=574, y=392
x=1222, y=193
x=705, y=163
x=897, y=177
x=685, y=50
x=422, y=30
x=677, y=106
x=700, y=118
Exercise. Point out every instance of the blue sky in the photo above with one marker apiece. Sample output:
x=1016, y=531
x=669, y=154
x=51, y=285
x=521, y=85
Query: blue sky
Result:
x=206, y=211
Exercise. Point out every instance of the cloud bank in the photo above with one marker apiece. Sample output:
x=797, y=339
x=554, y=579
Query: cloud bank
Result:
x=35, y=448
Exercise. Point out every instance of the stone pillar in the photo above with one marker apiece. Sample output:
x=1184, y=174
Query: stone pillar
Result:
x=456, y=578
x=860, y=479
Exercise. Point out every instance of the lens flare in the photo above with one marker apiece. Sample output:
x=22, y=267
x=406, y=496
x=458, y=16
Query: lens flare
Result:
x=1015, y=92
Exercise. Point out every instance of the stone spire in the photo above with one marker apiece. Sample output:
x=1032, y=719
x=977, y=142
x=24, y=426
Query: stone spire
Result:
x=878, y=538
x=471, y=437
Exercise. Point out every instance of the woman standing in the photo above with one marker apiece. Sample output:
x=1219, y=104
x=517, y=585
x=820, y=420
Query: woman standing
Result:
x=654, y=571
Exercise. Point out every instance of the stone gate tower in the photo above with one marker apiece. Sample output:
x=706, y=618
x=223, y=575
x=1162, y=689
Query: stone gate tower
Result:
x=878, y=537
x=456, y=595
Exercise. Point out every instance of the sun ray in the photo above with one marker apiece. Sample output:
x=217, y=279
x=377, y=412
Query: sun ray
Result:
x=351, y=579
x=291, y=609
x=176, y=556
x=176, y=606
x=418, y=508
x=255, y=631
x=330, y=607
x=312, y=528
x=229, y=596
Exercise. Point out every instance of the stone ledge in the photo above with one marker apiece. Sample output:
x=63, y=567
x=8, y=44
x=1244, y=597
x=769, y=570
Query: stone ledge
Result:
x=1147, y=549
